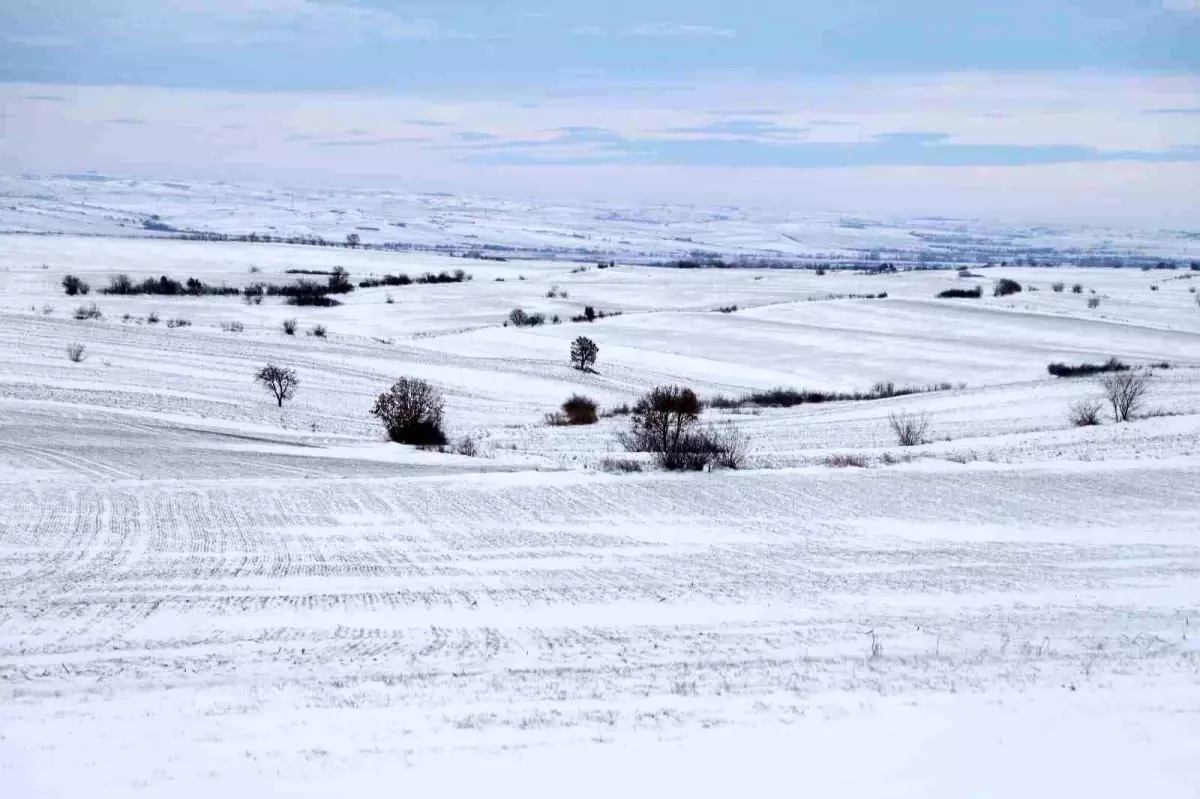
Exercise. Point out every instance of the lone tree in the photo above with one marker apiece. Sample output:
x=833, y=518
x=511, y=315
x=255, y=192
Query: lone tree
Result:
x=583, y=353
x=279, y=380
x=411, y=411
x=1125, y=392
x=352, y=240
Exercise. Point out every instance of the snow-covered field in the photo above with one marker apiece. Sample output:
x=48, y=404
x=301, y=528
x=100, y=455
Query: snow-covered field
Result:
x=204, y=595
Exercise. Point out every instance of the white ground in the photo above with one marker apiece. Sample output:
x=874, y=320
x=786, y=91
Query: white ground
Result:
x=203, y=595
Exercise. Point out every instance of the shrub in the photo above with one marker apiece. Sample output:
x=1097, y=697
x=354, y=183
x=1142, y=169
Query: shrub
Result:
x=281, y=382
x=1093, y=302
x=1077, y=288
x=89, y=311
x=152, y=317
x=289, y=326
x=339, y=281
x=728, y=446
x=1085, y=413
x=1058, y=287
x=76, y=353
x=663, y=423
x=556, y=419
x=580, y=410
x=466, y=447
x=518, y=318
x=1005, y=287
x=620, y=465
x=789, y=397
x=910, y=428
x=73, y=285
x=584, y=353
x=589, y=313
x=312, y=301
x=319, y=331
x=389, y=300
x=846, y=462
x=411, y=412
x=179, y=323
x=727, y=309
x=618, y=410
x=47, y=309
x=1154, y=288
x=967, y=294
x=1086, y=369
x=1125, y=392
x=232, y=327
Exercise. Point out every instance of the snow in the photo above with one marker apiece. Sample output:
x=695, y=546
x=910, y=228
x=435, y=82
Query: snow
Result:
x=204, y=594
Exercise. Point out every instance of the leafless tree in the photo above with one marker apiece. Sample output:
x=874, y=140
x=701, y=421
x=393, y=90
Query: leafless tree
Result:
x=910, y=428
x=1126, y=391
x=280, y=381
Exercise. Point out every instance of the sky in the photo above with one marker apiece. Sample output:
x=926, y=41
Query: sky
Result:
x=1086, y=110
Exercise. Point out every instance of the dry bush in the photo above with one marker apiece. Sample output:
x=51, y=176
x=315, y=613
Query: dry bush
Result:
x=466, y=447
x=232, y=327
x=662, y=422
x=89, y=311
x=289, y=326
x=728, y=446
x=76, y=353
x=620, y=465
x=580, y=410
x=846, y=462
x=279, y=380
x=1058, y=287
x=319, y=331
x=1093, y=302
x=411, y=412
x=556, y=419
x=1126, y=392
x=1085, y=413
x=911, y=429
x=152, y=318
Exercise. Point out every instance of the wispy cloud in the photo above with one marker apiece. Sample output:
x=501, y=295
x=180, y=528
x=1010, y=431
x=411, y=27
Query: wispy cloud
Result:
x=44, y=98
x=1174, y=111
x=1181, y=5
x=672, y=30
x=128, y=121
x=737, y=128
x=382, y=142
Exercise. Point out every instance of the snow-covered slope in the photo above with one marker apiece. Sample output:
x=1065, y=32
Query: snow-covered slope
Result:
x=204, y=594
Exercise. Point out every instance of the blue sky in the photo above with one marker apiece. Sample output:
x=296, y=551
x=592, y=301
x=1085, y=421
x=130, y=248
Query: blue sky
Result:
x=478, y=92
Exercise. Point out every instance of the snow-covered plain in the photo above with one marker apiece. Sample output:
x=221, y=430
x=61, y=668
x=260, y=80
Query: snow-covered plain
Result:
x=203, y=595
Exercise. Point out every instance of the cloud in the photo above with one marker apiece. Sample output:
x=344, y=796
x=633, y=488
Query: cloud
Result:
x=588, y=30
x=475, y=136
x=575, y=146
x=1174, y=111
x=427, y=123
x=663, y=30
x=369, y=142
x=44, y=98
x=128, y=121
x=1181, y=5
x=742, y=129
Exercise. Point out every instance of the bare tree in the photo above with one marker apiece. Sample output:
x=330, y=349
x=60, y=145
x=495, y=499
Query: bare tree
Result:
x=280, y=381
x=411, y=410
x=1126, y=391
x=584, y=353
x=910, y=428
x=352, y=240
